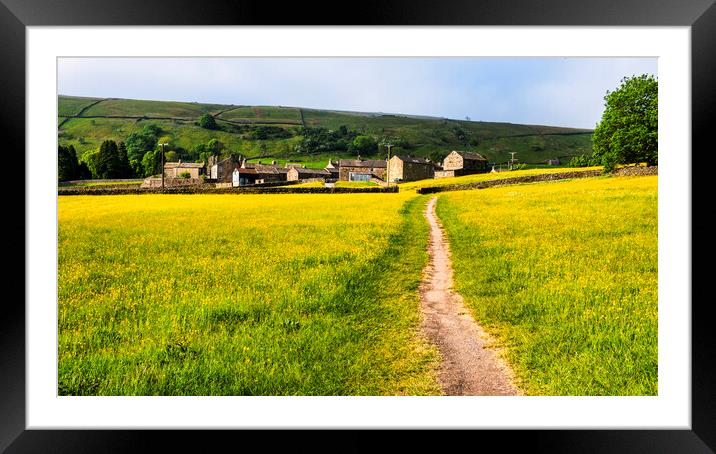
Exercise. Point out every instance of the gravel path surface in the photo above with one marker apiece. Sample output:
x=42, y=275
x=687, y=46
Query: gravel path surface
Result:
x=469, y=366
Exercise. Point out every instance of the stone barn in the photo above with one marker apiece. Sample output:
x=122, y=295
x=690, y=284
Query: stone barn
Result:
x=176, y=169
x=406, y=168
x=266, y=172
x=361, y=170
x=464, y=163
x=301, y=173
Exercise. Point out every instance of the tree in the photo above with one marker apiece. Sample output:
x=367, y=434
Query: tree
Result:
x=107, y=163
x=364, y=144
x=152, y=162
x=67, y=164
x=628, y=131
x=214, y=147
x=124, y=170
x=207, y=121
x=111, y=161
x=138, y=143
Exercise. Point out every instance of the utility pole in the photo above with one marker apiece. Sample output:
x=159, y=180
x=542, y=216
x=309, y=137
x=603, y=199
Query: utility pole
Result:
x=512, y=160
x=163, y=145
x=387, y=163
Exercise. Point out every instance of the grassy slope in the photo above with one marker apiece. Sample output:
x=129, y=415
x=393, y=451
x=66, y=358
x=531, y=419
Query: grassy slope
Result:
x=264, y=295
x=425, y=135
x=565, y=274
x=68, y=106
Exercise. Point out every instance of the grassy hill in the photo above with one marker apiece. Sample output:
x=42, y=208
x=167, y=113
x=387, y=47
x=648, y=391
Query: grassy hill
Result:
x=86, y=122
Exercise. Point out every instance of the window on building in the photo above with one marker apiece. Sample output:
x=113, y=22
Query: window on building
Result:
x=352, y=176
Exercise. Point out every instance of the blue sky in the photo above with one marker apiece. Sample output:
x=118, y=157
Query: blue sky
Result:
x=534, y=90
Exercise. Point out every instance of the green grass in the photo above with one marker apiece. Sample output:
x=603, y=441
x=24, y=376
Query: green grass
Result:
x=134, y=107
x=242, y=295
x=263, y=113
x=68, y=106
x=565, y=275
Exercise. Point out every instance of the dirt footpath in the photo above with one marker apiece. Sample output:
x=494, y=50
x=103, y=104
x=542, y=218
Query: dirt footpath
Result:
x=469, y=367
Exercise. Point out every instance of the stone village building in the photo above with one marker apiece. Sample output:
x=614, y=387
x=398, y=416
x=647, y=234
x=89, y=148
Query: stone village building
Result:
x=462, y=163
x=301, y=173
x=176, y=169
x=407, y=168
x=361, y=170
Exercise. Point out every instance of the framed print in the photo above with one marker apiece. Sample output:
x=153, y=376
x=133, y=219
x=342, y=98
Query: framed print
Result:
x=50, y=405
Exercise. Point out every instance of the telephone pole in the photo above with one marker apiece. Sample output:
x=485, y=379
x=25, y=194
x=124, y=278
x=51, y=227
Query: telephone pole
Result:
x=387, y=163
x=512, y=160
x=163, y=145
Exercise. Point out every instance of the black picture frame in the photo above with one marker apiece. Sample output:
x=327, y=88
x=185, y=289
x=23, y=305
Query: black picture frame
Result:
x=700, y=15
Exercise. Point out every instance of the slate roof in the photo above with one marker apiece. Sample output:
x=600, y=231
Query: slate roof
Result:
x=471, y=155
x=413, y=160
x=183, y=165
x=377, y=163
x=302, y=171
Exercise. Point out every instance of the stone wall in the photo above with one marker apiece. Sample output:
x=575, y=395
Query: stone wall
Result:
x=453, y=161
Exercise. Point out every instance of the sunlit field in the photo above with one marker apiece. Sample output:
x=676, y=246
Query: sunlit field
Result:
x=565, y=275
x=479, y=177
x=306, y=294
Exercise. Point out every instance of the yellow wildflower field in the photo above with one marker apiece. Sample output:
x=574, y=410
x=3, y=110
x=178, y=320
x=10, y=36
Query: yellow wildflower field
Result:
x=565, y=275
x=291, y=294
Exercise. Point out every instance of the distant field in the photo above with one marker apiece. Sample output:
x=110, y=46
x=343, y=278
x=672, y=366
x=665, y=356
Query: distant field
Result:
x=263, y=113
x=112, y=107
x=565, y=275
x=242, y=295
x=72, y=106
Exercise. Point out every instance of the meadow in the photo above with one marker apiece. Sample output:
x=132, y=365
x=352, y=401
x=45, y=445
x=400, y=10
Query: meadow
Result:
x=242, y=295
x=316, y=294
x=564, y=274
x=480, y=177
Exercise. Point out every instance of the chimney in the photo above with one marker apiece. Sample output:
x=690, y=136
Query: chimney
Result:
x=273, y=163
x=359, y=156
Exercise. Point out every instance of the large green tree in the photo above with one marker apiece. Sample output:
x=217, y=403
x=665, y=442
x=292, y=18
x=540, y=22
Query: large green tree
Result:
x=67, y=164
x=207, y=121
x=628, y=130
x=111, y=161
x=364, y=144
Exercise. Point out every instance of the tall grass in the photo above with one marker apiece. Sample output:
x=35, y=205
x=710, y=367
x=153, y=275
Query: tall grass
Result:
x=250, y=295
x=565, y=274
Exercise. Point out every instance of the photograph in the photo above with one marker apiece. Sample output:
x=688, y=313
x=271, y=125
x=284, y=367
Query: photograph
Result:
x=356, y=226
x=419, y=220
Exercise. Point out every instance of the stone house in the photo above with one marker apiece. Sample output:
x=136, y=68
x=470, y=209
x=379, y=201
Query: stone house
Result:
x=464, y=163
x=176, y=169
x=266, y=172
x=301, y=173
x=221, y=170
x=407, y=168
x=361, y=170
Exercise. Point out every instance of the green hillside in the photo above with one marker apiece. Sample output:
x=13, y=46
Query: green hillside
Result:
x=278, y=132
